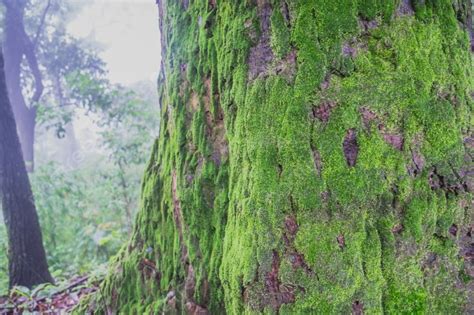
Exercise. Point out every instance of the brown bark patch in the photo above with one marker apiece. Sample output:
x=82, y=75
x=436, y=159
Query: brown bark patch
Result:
x=194, y=101
x=178, y=218
x=326, y=82
x=417, y=160
x=195, y=309
x=395, y=140
x=261, y=55
x=430, y=262
x=438, y=181
x=367, y=25
x=465, y=243
x=323, y=111
x=353, y=47
x=469, y=26
x=148, y=270
x=271, y=279
x=285, y=11
x=286, y=67
x=297, y=260
x=171, y=300
x=341, y=241
x=351, y=147
x=397, y=229
x=357, y=308
x=215, y=127
x=190, y=281
x=291, y=227
x=405, y=8
x=185, y=4
x=184, y=86
x=277, y=294
x=368, y=116
x=467, y=170
x=205, y=289
x=349, y=49
x=280, y=170
x=453, y=230
x=318, y=165
x=418, y=163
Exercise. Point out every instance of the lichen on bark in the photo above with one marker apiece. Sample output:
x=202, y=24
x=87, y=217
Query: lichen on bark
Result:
x=334, y=186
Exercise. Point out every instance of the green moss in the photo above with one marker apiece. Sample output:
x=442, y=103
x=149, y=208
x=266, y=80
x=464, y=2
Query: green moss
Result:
x=370, y=9
x=280, y=34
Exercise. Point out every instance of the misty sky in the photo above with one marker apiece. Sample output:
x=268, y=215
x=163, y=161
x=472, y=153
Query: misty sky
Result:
x=128, y=31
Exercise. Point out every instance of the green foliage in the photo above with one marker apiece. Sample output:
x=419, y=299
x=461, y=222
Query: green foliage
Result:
x=86, y=211
x=81, y=227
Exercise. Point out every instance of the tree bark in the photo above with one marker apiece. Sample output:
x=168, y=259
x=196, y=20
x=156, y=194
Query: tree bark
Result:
x=18, y=45
x=314, y=157
x=27, y=258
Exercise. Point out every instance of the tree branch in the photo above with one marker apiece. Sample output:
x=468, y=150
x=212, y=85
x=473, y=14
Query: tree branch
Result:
x=33, y=63
x=41, y=25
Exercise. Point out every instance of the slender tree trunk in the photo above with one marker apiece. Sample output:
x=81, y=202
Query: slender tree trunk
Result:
x=17, y=45
x=315, y=157
x=27, y=259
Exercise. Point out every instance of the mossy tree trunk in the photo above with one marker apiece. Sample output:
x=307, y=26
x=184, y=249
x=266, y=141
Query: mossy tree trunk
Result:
x=314, y=156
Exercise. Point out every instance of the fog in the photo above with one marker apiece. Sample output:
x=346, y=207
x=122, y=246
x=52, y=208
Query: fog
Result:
x=127, y=37
x=128, y=34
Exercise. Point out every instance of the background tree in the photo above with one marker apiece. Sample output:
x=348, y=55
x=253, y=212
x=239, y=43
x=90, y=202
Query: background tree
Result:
x=17, y=45
x=27, y=259
x=35, y=31
x=314, y=157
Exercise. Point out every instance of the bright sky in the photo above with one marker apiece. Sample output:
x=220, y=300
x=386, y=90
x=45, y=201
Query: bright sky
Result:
x=128, y=31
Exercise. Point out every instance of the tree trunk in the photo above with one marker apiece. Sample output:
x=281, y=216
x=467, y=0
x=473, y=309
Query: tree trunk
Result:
x=17, y=45
x=314, y=157
x=27, y=259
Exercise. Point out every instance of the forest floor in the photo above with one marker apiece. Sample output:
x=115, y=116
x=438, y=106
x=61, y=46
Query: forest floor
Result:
x=48, y=299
